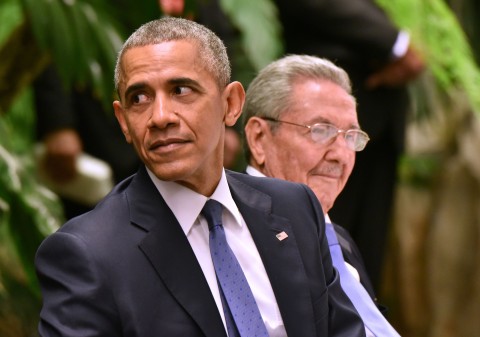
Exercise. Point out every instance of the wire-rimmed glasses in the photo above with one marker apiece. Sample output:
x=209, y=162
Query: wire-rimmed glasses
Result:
x=321, y=133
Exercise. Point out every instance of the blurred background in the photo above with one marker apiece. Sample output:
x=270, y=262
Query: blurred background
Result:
x=56, y=87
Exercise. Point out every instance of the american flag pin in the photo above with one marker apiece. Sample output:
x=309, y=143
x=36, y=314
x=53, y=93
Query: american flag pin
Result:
x=281, y=236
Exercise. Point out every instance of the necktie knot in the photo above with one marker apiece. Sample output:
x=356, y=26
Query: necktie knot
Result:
x=212, y=211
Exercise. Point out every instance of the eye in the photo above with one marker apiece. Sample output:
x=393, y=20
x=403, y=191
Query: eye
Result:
x=323, y=131
x=136, y=99
x=139, y=98
x=181, y=91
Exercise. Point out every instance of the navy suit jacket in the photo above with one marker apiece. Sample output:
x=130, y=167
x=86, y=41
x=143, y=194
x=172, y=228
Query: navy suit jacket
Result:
x=127, y=269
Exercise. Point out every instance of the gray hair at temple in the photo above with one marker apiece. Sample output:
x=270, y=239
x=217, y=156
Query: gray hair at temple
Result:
x=268, y=95
x=212, y=51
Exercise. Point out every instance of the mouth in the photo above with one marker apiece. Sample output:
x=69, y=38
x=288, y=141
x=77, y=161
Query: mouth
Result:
x=328, y=177
x=167, y=145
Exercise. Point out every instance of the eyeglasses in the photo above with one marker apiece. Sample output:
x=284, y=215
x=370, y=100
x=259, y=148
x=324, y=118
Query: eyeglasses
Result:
x=323, y=132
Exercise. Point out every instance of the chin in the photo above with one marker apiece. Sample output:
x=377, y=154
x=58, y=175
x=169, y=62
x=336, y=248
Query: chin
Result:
x=168, y=172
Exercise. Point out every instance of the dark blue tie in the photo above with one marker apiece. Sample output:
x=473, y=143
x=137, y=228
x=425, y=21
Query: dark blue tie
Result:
x=368, y=311
x=233, y=285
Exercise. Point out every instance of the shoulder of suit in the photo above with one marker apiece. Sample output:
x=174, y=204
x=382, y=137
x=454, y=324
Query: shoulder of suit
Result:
x=260, y=181
x=286, y=194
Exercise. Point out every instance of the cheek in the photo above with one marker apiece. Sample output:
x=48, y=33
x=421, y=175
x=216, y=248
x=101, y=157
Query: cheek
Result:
x=294, y=166
x=348, y=168
x=204, y=119
x=207, y=135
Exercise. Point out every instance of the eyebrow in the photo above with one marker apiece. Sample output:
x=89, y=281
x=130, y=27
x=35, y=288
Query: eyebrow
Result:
x=178, y=81
x=186, y=81
x=134, y=87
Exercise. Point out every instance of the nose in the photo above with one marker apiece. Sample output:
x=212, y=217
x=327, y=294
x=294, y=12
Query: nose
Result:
x=338, y=148
x=339, y=139
x=163, y=113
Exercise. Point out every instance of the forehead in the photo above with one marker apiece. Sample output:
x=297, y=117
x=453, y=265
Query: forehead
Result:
x=315, y=100
x=166, y=60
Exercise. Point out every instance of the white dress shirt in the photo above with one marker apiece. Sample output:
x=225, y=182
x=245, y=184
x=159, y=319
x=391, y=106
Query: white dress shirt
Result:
x=186, y=205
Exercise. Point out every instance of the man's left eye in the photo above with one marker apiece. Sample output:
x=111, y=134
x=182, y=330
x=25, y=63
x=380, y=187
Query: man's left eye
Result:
x=139, y=98
x=182, y=90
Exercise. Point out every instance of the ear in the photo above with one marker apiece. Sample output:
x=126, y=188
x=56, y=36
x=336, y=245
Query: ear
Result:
x=258, y=136
x=120, y=114
x=234, y=95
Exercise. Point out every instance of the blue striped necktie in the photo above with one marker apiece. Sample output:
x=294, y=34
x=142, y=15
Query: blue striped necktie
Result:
x=237, y=298
x=368, y=311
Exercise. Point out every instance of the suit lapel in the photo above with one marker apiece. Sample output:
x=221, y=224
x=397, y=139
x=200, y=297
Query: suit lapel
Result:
x=281, y=257
x=169, y=252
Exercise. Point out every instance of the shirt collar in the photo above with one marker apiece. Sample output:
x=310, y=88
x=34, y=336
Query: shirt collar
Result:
x=254, y=172
x=177, y=196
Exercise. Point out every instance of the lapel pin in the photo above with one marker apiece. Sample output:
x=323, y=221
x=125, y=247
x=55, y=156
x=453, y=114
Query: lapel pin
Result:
x=281, y=236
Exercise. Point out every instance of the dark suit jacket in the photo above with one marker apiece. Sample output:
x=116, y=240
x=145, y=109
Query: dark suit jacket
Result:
x=127, y=269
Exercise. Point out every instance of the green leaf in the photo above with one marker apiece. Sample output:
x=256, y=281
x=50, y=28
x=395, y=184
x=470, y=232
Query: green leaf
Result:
x=28, y=211
x=10, y=16
x=258, y=22
x=82, y=47
x=83, y=38
x=34, y=11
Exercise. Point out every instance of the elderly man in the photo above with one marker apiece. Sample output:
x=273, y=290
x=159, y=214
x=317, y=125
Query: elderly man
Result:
x=301, y=125
x=184, y=248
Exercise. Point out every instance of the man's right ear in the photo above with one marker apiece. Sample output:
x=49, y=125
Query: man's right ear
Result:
x=257, y=134
x=119, y=113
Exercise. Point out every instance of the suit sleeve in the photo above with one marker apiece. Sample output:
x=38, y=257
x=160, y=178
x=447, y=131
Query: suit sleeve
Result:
x=343, y=319
x=346, y=26
x=76, y=302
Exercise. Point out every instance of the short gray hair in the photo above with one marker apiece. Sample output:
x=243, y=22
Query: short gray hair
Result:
x=212, y=50
x=269, y=93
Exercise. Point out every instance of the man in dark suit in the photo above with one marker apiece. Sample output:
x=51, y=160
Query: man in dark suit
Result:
x=300, y=124
x=357, y=36
x=139, y=264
